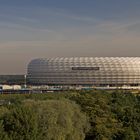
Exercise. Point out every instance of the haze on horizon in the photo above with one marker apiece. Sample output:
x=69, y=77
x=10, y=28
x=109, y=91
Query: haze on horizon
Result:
x=64, y=28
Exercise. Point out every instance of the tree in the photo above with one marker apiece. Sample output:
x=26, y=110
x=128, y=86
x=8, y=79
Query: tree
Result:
x=3, y=135
x=20, y=123
x=104, y=125
x=60, y=120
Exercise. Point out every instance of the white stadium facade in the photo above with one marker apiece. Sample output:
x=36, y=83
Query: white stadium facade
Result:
x=85, y=71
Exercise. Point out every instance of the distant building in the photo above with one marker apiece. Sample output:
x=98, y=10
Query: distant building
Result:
x=92, y=71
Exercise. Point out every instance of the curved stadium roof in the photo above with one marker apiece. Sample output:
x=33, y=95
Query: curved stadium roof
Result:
x=85, y=70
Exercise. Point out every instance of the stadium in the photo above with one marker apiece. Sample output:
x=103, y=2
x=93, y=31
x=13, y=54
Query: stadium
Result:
x=85, y=71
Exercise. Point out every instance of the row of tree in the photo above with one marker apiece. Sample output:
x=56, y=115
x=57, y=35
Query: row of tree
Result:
x=83, y=115
x=12, y=79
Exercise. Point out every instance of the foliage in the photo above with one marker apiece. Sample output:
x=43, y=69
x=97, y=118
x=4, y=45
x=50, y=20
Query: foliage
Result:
x=12, y=79
x=59, y=120
x=89, y=115
x=20, y=123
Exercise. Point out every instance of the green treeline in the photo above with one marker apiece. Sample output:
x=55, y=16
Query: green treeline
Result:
x=72, y=115
x=12, y=79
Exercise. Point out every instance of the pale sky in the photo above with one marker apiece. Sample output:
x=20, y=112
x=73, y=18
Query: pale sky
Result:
x=63, y=28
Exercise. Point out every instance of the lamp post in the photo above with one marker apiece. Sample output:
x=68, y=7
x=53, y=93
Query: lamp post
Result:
x=25, y=84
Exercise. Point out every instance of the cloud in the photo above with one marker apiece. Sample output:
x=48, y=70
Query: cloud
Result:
x=57, y=32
